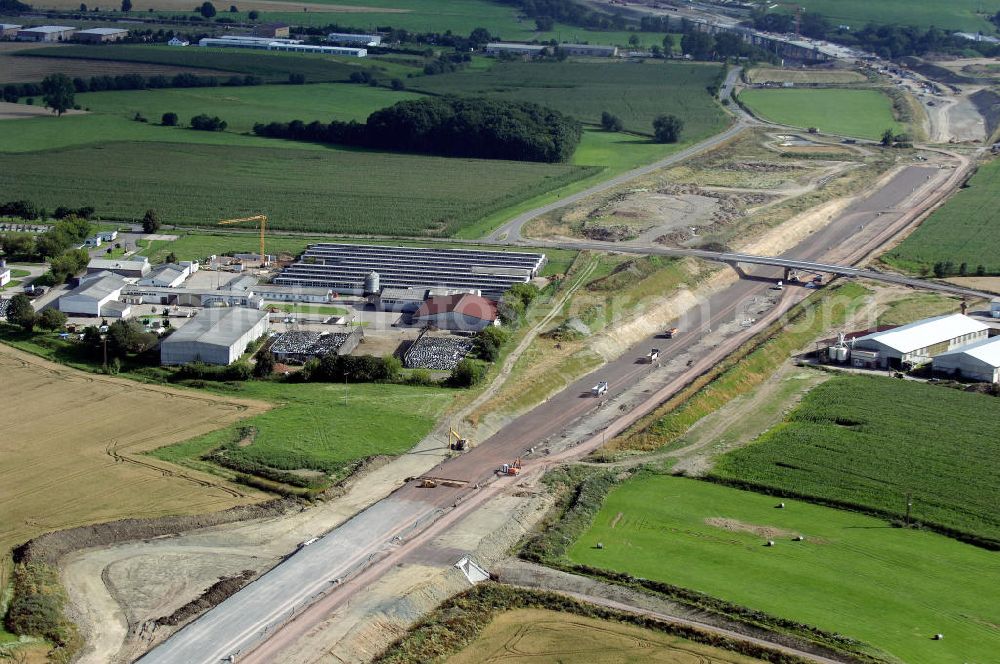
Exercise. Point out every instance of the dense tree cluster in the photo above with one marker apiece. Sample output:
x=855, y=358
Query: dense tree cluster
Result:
x=333, y=368
x=482, y=128
x=667, y=128
x=204, y=122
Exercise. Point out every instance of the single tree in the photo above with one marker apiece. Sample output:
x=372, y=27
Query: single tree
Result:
x=667, y=128
x=253, y=15
x=150, y=222
x=58, y=92
x=52, y=319
x=21, y=313
x=963, y=270
x=171, y=257
x=233, y=9
x=887, y=138
x=610, y=122
x=169, y=119
x=83, y=7
x=633, y=40
x=207, y=10
x=397, y=84
x=126, y=6
x=265, y=364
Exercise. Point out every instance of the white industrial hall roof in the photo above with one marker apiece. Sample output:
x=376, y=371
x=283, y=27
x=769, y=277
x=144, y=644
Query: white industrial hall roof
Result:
x=927, y=332
x=987, y=350
x=218, y=327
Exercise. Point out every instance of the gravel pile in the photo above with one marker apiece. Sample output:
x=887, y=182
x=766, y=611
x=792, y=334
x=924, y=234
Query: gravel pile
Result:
x=300, y=346
x=440, y=353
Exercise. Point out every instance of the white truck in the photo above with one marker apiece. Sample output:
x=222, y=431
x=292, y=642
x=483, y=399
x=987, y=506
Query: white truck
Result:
x=653, y=355
x=600, y=389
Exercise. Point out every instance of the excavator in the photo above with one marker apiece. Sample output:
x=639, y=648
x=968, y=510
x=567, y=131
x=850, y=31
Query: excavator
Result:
x=511, y=469
x=457, y=443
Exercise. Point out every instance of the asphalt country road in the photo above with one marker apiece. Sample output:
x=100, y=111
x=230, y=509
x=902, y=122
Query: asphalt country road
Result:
x=254, y=613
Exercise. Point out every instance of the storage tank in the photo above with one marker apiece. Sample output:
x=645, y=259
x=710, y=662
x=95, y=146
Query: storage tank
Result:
x=831, y=353
x=371, y=283
x=841, y=353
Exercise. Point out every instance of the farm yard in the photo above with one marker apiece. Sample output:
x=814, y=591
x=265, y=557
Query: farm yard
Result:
x=861, y=113
x=319, y=431
x=636, y=92
x=888, y=587
x=71, y=442
x=969, y=15
x=869, y=441
x=333, y=190
x=966, y=229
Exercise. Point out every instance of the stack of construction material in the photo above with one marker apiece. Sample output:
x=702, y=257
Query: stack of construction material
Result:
x=438, y=353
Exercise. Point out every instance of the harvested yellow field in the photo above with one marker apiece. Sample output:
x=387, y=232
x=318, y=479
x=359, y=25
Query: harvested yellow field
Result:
x=70, y=443
x=771, y=75
x=535, y=636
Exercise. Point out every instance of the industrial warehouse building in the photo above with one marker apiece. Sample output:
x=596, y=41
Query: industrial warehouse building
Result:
x=294, y=294
x=291, y=45
x=916, y=343
x=46, y=33
x=100, y=35
x=8, y=30
x=408, y=300
x=462, y=312
x=345, y=268
x=132, y=267
x=978, y=361
x=512, y=48
x=97, y=295
x=593, y=51
x=214, y=336
x=168, y=275
x=347, y=38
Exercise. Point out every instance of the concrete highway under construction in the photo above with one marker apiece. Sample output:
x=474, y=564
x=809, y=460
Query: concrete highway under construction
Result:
x=271, y=612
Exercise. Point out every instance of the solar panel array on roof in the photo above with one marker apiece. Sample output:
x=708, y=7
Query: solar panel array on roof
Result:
x=343, y=268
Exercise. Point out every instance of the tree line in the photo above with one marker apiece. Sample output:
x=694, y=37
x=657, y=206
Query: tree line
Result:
x=449, y=126
x=886, y=41
x=14, y=91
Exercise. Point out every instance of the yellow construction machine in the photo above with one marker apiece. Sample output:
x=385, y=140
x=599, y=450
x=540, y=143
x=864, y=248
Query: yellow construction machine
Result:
x=262, y=222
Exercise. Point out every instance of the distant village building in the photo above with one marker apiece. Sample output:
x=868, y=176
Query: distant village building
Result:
x=100, y=35
x=589, y=50
x=46, y=33
x=513, y=48
x=348, y=38
x=8, y=30
x=177, y=41
x=272, y=30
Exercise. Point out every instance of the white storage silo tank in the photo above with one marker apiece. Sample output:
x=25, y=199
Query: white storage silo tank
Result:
x=372, y=283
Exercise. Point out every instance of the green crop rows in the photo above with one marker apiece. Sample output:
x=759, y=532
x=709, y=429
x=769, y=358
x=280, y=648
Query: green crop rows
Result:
x=892, y=588
x=869, y=441
x=965, y=230
x=967, y=15
x=636, y=92
x=329, y=190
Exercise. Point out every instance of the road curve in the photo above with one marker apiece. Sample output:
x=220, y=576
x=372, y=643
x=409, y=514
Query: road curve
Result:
x=511, y=231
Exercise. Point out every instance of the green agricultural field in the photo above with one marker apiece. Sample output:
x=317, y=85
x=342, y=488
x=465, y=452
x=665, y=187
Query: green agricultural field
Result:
x=272, y=66
x=861, y=113
x=324, y=427
x=869, y=441
x=855, y=575
x=636, y=92
x=330, y=190
x=965, y=230
x=969, y=15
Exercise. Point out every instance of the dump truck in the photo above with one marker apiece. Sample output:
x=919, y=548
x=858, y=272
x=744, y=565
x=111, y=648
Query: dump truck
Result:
x=600, y=389
x=671, y=332
x=511, y=469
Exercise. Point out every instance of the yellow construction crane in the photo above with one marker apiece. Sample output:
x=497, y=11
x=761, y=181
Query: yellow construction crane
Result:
x=262, y=221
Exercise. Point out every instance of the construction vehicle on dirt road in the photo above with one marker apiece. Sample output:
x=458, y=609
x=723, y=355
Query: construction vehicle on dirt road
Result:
x=457, y=443
x=600, y=389
x=511, y=469
x=653, y=355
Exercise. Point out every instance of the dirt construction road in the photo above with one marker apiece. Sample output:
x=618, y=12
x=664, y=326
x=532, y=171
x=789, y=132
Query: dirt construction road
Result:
x=389, y=529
